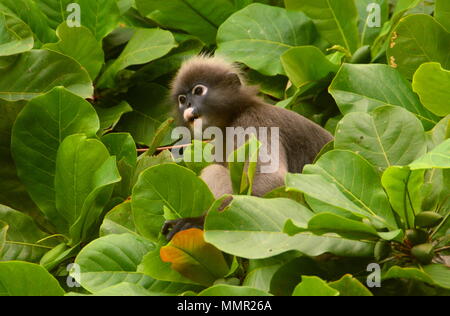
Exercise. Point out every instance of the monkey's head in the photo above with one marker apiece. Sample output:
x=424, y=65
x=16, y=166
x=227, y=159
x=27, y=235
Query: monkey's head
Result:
x=208, y=90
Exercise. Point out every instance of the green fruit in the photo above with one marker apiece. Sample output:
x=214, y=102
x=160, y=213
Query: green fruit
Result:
x=382, y=250
x=424, y=253
x=50, y=259
x=428, y=219
x=416, y=236
x=362, y=55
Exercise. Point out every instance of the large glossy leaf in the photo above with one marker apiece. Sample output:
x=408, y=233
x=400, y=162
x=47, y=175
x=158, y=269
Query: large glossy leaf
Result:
x=432, y=83
x=418, y=39
x=253, y=228
x=81, y=45
x=21, y=237
x=317, y=187
x=84, y=180
x=109, y=117
x=363, y=88
x=350, y=286
x=193, y=258
x=403, y=188
x=145, y=45
x=176, y=188
x=38, y=71
x=388, y=136
x=150, y=110
x=27, y=279
x=15, y=36
x=248, y=38
x=307, y=65
x=336, y=20
x=230, y=290
x=442, y=13
x=437, y=158
x=39, y=130
x=111, y=260
x=358, y=180
x=100, y=16
x=201, y=18
x=55, y=11
x=434, y=274
x=314, y=286
x=30, y=12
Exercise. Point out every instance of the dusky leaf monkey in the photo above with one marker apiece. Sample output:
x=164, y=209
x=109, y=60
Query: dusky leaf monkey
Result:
x=212, y=92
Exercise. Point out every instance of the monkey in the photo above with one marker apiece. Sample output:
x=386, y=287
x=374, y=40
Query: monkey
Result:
x=211, y=92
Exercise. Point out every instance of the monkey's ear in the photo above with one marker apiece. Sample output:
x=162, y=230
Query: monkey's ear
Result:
x=233, y=79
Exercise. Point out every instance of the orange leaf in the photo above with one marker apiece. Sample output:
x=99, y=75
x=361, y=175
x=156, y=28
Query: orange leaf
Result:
x=193, y=258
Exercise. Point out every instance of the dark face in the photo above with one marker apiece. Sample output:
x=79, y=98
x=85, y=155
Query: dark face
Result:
x=206, y=97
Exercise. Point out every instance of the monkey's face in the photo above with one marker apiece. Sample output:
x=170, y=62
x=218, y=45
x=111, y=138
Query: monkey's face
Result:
x=207, y=102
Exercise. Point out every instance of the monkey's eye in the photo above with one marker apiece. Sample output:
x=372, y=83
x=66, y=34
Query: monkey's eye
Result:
x=182, y=99
x=199, y=90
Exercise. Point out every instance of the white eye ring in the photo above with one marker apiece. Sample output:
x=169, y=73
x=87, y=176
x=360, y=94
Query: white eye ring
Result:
x=204, y=90
x=182, y=99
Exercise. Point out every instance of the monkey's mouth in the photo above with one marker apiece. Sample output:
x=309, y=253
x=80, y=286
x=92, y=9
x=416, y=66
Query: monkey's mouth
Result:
x=193, y=118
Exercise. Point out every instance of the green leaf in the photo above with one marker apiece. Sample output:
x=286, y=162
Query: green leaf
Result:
x=38, y=71
x=434, y=274
x=317, y=187
x=113, y=259
x=109, y=117
x=437, y=158
x=15, y=36
x=418, y=39
x=12, y=190
x=21, y=237
x=358, y=180
x=154, y=267
x=368, y=33
x=39, y=130
x=432, y=83
x=172, y=186
x=245, y=38
x=363, y=88
x=118, y=221
x=314, y=286
x=27, y=279
x=230, y=290
x=307, y=65
x=442, y=13
x=55, y=11
x=146, y=118
x=197, y=17
x=145, y=45
x=403, y=187
x=84, y=180
x=336, y=20
x=193, y=258
x=100, y=16
x=123, y=147
x=79, y=44
x=243, y=230
x=160, y=134
x=324, y=223
x=242, y=165
x=388, y=136
x=30, y=13
x=349, y=286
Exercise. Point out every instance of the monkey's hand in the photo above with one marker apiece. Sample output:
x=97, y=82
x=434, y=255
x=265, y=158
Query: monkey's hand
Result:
x=173, y=227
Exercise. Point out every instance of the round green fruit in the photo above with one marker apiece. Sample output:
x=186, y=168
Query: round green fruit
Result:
x=424, y=253
x=428, y=219
x=416, y=236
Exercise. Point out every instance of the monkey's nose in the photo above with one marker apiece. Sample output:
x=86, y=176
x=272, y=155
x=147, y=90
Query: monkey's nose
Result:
x=191, y=114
